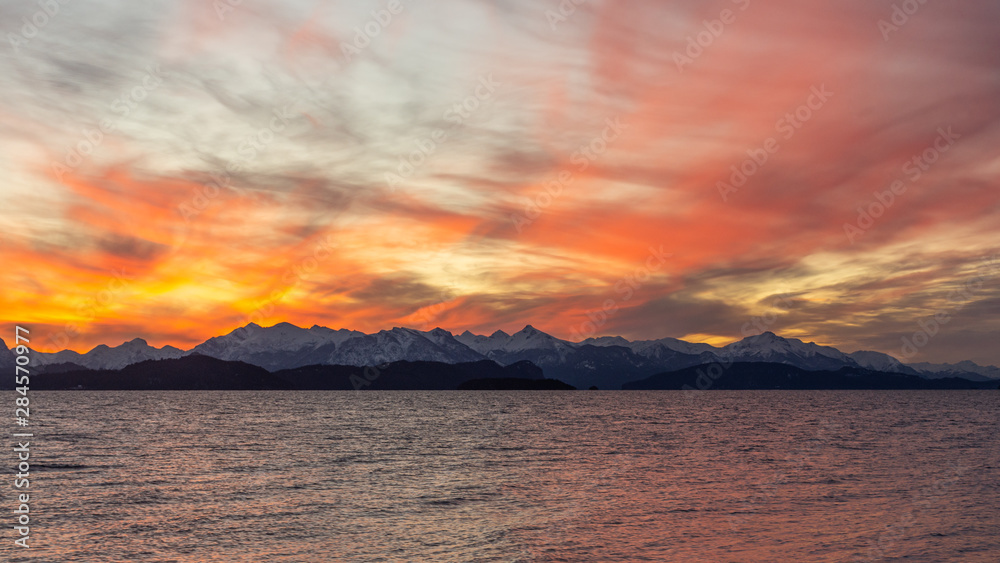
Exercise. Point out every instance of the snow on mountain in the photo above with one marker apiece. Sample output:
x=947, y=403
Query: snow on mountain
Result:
x=964, y=369
x=607, y=364
x=448, y=342
x=105, y=357
x=654, y=349
x=338, y=336
x=132, y=352
x=62, y=356
x=281, y=346
x=483, y=344
x=402, y=344
x=608, y=341
x=529, y=343
x=769, y=347
x=530, y=338
x=280, y=337
x=881, y=362
x=606, y=361
x=684, y=347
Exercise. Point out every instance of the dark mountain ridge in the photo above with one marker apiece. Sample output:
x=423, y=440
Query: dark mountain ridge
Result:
x=764, y=375
x=199, y=372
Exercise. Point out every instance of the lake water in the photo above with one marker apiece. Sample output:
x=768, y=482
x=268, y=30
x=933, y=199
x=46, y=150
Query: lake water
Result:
x=512, y=476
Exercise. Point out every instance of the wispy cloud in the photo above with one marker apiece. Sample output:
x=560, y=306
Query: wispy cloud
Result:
x=442, y=243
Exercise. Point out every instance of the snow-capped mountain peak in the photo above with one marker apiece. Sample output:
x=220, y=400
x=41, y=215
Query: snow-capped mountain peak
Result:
x=402, y=344
x=769, y=347
x=103, y=356
x=336, y=336
x=606, y=359
x=530, y=338
x=966, y=369
x=484, y=344
x=654, y=348
x=283, y=336
x=607, y=341
x=275, y=347
x=767, y=341
x=880, y=362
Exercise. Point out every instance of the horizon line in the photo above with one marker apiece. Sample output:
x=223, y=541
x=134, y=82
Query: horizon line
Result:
x=455, y=334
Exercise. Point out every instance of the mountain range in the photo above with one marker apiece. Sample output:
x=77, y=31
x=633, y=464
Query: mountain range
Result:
x=766, y=375
x=605, y=362
x=199, y=372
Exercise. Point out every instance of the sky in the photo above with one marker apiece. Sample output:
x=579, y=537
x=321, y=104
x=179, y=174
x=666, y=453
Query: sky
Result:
x=702, y=170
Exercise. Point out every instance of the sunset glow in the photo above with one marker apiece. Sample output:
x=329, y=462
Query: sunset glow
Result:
x=486, y=165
